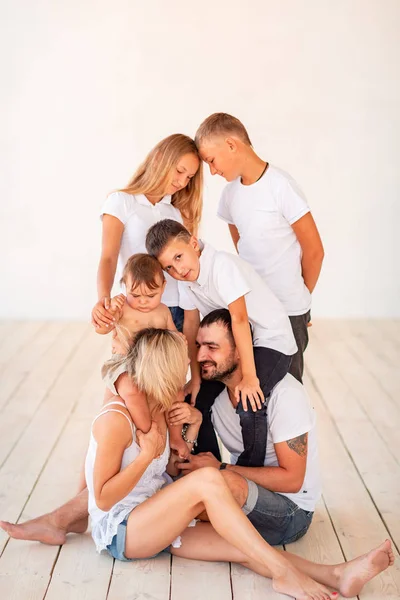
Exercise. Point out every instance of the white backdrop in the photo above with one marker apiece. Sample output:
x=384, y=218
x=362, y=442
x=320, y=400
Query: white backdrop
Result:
x=88, y=87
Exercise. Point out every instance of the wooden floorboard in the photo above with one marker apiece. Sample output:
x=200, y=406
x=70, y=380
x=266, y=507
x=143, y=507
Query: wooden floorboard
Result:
x=51, y=389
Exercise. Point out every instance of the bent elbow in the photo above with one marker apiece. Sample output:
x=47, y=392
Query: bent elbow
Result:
x=102, y=504
x=296, y=486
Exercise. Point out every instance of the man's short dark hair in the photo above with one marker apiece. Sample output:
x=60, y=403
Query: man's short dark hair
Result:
x=162, y=233
x=222, y=316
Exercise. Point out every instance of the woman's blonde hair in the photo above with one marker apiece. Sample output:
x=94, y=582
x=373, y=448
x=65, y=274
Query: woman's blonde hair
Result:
x=157, y=361
x=153, y=176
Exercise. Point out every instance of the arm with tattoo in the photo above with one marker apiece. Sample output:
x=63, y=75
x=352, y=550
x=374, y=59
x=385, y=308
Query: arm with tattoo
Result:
x=299, y=444
x=288, y=477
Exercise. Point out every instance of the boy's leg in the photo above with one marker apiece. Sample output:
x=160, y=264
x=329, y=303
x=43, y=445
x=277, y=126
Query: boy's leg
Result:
x=271, y=367
x=300, y=331
x=177, y=317
x=207, y=439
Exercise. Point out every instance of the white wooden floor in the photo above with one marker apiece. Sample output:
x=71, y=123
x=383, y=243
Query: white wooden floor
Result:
x=50, y=390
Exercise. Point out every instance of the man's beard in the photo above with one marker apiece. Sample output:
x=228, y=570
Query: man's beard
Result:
x=221, y=374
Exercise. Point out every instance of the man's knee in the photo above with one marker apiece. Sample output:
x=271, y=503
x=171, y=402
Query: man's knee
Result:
x=237, y=485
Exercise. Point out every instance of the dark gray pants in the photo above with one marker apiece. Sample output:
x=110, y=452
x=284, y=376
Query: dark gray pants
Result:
x=300, y=330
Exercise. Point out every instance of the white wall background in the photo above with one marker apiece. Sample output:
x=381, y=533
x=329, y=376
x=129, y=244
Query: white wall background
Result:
x=89, y=86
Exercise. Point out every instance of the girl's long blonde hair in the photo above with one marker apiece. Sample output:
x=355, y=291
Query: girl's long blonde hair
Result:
x=153, y=176
x=157, y=361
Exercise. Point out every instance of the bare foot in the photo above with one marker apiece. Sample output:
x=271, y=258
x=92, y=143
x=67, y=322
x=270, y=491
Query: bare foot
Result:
x=300, y=586
x=41, y=529
x=353, y=575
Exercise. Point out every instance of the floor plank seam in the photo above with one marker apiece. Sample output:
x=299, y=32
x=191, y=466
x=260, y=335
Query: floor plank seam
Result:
x=355, y=395
x=52, y=571
x=378, y=380
x=110, y=580
x=28, y=340
x=46, y=462
x=13, y=393
x=315, y=385
x=46, y=395
x=170, y=578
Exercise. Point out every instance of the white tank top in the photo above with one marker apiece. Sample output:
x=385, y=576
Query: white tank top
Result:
x=105, y=524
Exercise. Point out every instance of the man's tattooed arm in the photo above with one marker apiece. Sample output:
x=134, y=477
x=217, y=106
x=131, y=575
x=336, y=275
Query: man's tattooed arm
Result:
x=299, y=444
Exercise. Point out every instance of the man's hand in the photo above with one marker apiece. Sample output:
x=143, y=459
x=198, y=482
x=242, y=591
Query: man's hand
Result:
x=198, y=461
x=182, y=412
x=249, y=389
x=192, y=387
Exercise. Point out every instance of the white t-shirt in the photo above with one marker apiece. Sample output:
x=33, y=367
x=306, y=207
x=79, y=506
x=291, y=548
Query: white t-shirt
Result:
x=263, y=214
x=224, y=278
x=290, y=414
x=137, y=215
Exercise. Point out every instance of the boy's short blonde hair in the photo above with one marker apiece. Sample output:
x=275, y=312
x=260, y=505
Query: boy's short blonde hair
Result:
x=221, y=124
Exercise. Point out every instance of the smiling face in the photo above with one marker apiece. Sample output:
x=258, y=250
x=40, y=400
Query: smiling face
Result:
x=180, y=259
x=181, y=174
x=216, y=354
x=142, y=297
x=221, y=155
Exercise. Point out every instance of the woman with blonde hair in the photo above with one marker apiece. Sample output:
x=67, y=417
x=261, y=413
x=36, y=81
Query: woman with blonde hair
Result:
x=168, y=184
x=138, y=512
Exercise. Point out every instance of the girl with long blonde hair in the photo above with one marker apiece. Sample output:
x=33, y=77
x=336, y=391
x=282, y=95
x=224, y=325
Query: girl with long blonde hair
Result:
x=168, y=184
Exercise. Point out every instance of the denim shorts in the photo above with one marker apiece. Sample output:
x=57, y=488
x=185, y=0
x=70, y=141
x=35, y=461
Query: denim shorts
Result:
x=277, y=518
x=117, y=546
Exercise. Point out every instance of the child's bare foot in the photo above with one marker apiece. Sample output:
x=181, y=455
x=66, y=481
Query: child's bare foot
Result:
x=353, y=575
x=43, y=529
x=300, y=586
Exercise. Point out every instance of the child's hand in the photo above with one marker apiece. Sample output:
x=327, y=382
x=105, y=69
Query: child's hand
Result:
x=192, y=387
x=151, y=443
x=249, y=389
x=117, y=302
x=181, y=413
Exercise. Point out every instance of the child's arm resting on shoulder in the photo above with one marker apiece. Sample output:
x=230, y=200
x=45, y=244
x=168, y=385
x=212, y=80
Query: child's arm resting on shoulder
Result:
x=112, y=434
x=136, y=402
x=249, y=387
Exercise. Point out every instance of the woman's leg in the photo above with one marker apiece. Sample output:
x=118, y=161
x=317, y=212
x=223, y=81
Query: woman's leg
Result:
x=156, y=522
x=204, y=543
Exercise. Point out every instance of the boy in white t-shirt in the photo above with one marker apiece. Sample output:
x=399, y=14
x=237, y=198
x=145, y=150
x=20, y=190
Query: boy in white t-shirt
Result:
x=210, y=279
x=269, y=221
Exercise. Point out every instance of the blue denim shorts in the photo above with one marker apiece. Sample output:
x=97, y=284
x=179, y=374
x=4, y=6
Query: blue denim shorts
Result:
x=277, y=518
x=117, y=546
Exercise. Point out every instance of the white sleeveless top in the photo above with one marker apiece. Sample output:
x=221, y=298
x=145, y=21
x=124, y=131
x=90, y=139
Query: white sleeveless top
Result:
x=105, y=524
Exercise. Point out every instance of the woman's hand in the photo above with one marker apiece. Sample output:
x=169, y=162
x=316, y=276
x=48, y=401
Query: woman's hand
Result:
x=101, y=316
x=192, y=387
x=152, y=443
x=182, y=412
